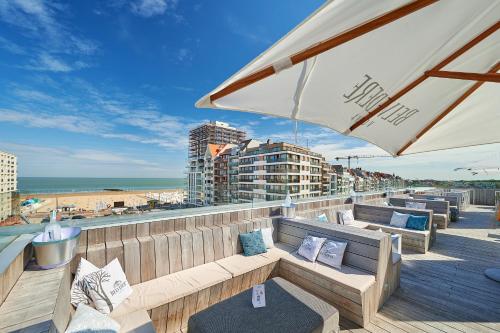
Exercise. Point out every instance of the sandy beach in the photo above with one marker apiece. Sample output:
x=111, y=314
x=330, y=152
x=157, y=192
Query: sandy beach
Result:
x=87, y=201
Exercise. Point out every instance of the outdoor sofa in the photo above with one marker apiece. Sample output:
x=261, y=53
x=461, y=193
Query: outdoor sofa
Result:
x=441, y=209
x=379, y=217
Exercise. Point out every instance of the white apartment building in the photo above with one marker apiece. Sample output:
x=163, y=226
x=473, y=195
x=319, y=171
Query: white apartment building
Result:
x=271, y=170
x=8, y=183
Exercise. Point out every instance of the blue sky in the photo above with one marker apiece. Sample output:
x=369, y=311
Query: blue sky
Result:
x=107, y=88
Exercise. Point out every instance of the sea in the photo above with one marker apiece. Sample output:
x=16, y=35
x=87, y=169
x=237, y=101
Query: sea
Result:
x=43, y=185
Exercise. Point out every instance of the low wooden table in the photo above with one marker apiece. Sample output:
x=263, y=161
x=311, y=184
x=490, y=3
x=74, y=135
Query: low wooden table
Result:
x=288, y=309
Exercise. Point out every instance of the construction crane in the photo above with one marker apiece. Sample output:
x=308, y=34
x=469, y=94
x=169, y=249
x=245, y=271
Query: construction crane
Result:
x=357, y=157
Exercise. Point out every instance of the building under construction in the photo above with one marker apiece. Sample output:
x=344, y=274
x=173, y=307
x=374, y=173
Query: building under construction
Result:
x=212, y=133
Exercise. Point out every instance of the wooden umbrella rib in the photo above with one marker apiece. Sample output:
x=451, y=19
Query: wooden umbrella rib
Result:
x=443, y=114
x=326, y=45
x=476, y=40
x=489, y=77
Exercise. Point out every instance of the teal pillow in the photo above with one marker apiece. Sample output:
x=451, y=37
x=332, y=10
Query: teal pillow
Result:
x=322, y=218
x=252, y=243
x=417, y=222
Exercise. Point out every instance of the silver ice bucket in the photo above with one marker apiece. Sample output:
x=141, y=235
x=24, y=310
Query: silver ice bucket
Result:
x=51, y=254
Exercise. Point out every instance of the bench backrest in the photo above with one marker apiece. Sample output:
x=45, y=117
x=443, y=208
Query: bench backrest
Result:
x=383, y=214
x=437, y=206
x=149, y=250
x=453, y=200
x=364, y=249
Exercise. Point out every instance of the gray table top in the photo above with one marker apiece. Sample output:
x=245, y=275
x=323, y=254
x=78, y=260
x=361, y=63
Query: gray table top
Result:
x=288, y=309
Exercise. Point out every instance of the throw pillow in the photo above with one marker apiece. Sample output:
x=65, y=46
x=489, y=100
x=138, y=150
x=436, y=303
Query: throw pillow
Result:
x=322, y=218
x=267, y=236
x=415, y=205
x=399, y=220
x=417, y=222
x=108, y=287
x=347, y=217
x=79, y=292
x=87, y=319
x=252, y=243
x=310, y=247
x=331, y=253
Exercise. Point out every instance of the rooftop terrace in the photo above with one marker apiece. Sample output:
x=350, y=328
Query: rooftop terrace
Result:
x=445, y=290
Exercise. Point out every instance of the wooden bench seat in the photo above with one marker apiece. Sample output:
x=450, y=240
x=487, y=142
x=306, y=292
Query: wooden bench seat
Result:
x=135, y=322
x=441, y=209
x=367, y=277
x=169, y=288
x=379, y=217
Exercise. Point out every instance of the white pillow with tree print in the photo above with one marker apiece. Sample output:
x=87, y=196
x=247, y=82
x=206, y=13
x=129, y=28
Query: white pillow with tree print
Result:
x=108, y=287
x=79, y=293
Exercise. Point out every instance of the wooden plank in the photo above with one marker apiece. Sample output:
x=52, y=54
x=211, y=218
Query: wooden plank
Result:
x=186, y=248
x=147, y=250
x=208, y=244
x=174, y=252
x=189, y=308
x=215, y=294
x=203, y=299
x=157, y=227
x=142, y=229
x=180, y=224
x=132, y=260
x=218, y=242
x=114, y=249
x=162, y=263
x=129, y=231
x=96, y=236
x=174, y=319
x=198, y=252
x=227, y=242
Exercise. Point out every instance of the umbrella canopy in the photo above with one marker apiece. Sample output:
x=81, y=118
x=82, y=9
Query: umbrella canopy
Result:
x=407, y=76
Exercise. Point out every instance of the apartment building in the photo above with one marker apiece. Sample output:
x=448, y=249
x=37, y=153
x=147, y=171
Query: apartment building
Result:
x=8, y=183
x=226, y=172
x=271, y=170
x=212, y=133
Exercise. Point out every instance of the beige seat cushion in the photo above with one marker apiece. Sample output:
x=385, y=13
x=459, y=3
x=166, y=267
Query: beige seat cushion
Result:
x=238, y=264
x=348, y=276
x=137, y=321
x=279, y=251
x=168, y=288
x=390, y=229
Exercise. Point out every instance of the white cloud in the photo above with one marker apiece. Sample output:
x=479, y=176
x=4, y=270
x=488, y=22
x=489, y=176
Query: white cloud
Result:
x=11, y=46
x=49, y=63
x=184, y=55
x=53, y=45
x=254, y=33
x=148, y=8
x=64, y=161
x=39, y=20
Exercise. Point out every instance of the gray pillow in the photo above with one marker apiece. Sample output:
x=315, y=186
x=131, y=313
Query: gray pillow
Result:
x=87, y=319
x=399, y=220
x=332, y=253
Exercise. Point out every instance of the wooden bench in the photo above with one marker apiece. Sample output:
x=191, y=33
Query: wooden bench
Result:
x=441, y=209
x=179, y=273
x=368, y=275
x=379, y=217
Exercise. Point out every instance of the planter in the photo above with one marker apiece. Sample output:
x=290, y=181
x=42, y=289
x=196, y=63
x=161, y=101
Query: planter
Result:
x=51, y=254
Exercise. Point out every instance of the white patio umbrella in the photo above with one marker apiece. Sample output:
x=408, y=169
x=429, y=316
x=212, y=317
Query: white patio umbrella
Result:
x=407, y=76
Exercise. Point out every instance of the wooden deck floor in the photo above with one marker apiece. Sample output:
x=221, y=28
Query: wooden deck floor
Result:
x=445, y=290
